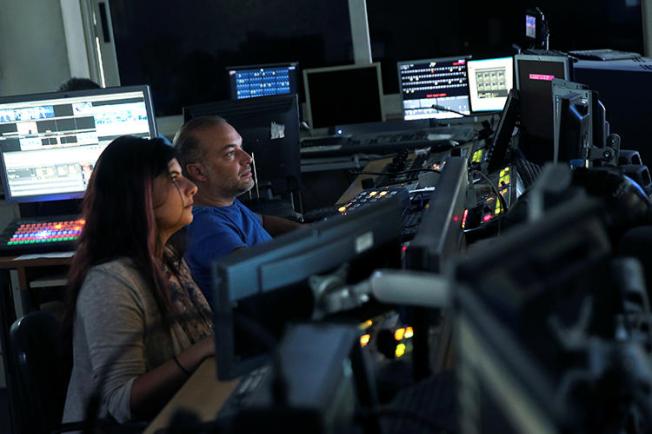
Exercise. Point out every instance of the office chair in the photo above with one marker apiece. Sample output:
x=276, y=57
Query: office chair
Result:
x=40, y=379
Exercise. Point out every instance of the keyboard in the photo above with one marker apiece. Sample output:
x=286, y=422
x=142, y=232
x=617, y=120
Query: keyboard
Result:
x=40, y=235
x=239, y=397
x=438, y=139
x=604, y=54
x=406, y=169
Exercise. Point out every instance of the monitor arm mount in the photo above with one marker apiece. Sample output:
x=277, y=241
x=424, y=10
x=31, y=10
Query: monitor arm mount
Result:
x=398, y=287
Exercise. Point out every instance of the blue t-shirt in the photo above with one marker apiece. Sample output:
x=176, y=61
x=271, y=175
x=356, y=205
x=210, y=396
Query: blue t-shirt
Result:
x=216, y=232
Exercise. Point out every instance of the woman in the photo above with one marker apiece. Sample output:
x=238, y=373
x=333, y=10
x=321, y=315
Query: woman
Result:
x=137, y=322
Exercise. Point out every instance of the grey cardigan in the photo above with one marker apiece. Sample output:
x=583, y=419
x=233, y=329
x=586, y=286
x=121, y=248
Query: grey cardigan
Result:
x=117, y=337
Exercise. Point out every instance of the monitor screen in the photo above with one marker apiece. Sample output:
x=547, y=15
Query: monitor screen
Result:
x=262, y=80
x=490, y=80
x=349, y=94
x=534, y=75
x=269, y=284
x=49, y=142
x=441, y=81
x=440, y=235
x=269, y=127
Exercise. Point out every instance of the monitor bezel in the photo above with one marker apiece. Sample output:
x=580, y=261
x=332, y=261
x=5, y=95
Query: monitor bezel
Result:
x=229, y=69
x=478, y=111
x=534, y=57
x=440, y=232
x=149, y=107
x=351, y=233
x=466, y=57
x=306, y=86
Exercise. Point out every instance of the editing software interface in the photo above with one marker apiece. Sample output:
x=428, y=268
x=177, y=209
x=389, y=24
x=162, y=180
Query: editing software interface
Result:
x=262, y=80
x=50, y=142
x=490, y=81
x=442, y=82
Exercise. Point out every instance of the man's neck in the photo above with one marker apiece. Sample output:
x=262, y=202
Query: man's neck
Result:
x=208, y=200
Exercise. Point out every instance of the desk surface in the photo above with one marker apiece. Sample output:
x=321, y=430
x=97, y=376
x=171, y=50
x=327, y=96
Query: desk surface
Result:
x=202, y=394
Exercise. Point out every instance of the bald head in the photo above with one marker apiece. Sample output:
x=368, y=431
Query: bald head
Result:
x=188, y=141
x=211, y=155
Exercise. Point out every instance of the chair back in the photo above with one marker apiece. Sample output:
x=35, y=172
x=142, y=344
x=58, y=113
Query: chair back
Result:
x=40, y=378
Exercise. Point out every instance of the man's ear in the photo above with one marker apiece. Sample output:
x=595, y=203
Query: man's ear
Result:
x=196, y=172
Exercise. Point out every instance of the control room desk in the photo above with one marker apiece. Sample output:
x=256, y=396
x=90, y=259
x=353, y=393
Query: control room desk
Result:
x=202, y=394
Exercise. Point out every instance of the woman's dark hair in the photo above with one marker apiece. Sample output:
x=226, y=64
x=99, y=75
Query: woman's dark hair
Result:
x=118, y=209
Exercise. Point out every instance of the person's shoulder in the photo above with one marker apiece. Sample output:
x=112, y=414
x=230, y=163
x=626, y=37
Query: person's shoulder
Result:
x=120, y=272
x=241, y=207
x=115, y=266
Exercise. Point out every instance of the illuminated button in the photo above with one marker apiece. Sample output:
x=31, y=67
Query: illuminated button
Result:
x=365, y=325
x=409, y=332
x=399, y=334
x=364, y=340
x=373, y=193
x=400, y=350
x=382, y=194
x=342, y=209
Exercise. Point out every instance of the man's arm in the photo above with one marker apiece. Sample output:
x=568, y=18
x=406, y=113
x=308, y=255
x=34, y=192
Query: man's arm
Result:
x=278, y=225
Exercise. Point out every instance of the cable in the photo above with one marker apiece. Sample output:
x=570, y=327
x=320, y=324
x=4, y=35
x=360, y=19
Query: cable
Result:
x=499, y=196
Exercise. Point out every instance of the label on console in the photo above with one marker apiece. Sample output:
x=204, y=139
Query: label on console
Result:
x=364, y=242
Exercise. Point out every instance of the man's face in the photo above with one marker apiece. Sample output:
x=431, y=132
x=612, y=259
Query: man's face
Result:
x=226, y=167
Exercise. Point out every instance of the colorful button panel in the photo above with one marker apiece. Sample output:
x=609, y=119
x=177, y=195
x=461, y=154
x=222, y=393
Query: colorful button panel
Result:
x=47, y=232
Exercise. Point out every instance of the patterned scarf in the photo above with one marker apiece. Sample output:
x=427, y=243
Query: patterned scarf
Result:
x=188, y=302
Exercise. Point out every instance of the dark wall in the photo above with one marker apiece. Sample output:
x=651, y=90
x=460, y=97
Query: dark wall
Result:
x=182, y=48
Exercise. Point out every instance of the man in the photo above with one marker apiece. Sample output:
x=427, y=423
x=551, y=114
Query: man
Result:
x=211, y=155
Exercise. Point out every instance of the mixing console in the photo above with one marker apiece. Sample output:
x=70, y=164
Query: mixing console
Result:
x=40, y=235
x=374, y=195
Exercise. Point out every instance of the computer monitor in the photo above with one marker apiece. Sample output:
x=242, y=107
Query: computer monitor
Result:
x=514, y=300
x=269, y=284
x=262, y=80
x=440, y=236
x=438, y=239
x=534, y=75
x=496, y=156
x=348, y=94
x=490, y=80
x=572, y=116
x=49, y=142
x=269, y=127
x=441, y=81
